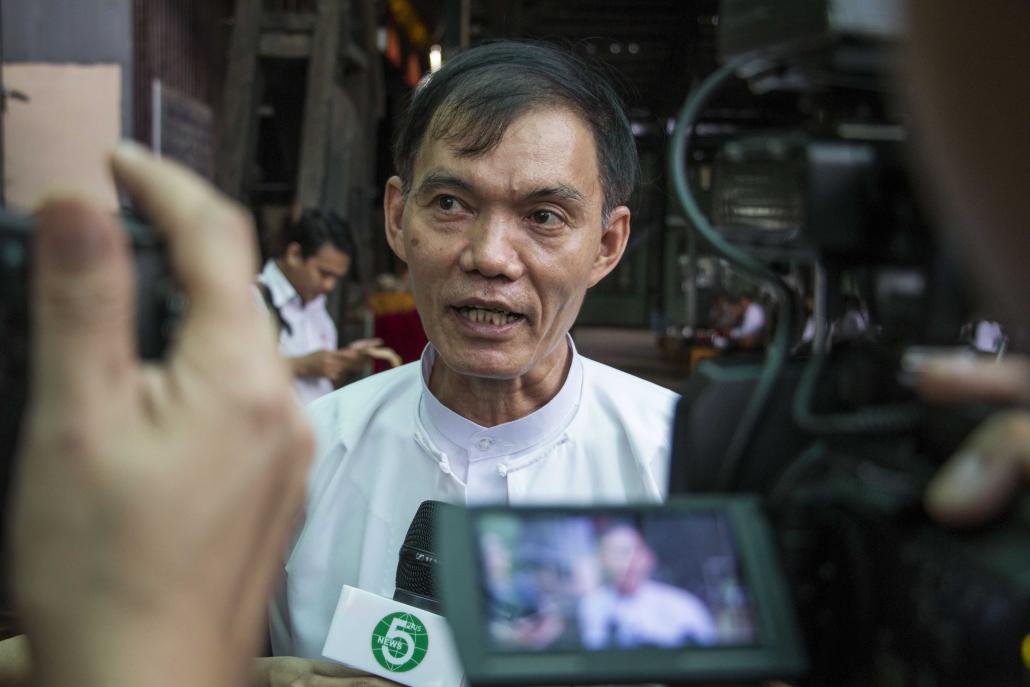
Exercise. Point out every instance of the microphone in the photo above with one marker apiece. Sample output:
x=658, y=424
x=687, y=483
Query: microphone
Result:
x=404, y=639
x=416, y=568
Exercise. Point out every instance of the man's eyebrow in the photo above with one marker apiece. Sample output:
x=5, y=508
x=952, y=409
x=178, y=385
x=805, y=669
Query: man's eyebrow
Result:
x=562, y=191
x=437, y=179
x=444, y=179
x=331, y=272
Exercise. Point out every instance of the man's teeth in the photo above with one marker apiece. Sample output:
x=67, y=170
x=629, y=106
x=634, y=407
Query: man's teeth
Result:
x=485, y=316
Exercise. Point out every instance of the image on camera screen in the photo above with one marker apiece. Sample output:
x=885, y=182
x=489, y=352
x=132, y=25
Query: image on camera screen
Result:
x=555, y=582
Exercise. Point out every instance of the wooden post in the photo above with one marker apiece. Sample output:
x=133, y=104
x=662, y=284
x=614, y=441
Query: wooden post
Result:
x=318, y=102
x=238, y=112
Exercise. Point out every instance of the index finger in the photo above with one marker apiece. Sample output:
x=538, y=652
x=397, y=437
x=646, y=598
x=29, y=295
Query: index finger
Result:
x=83, y=315
x=952, y=379
x=336, y=671
x=210, y=239
x=358, y=344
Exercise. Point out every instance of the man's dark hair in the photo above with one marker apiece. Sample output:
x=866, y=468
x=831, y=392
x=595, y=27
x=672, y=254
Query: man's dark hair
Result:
x=315, y=228
x=476, y=96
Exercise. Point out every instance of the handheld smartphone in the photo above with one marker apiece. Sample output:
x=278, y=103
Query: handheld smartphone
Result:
x=689, y=592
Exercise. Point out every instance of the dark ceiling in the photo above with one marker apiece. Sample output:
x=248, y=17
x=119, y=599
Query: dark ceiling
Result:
x=656, y=47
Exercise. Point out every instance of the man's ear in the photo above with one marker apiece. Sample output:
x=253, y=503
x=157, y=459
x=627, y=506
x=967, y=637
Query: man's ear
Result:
x=393, y=212
x=293, y=254
x=613, y=244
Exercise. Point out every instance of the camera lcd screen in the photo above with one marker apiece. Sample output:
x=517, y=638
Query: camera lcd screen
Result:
x=686, y=592
x=611, y=582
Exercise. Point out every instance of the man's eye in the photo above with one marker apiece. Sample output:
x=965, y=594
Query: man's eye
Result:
x=545, y=217
x=448, y=203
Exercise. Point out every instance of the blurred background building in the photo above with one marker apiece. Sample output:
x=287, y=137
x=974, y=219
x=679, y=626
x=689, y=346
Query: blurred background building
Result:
x=287, y=104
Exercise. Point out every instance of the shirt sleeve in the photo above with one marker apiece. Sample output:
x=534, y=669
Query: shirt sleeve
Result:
x=754, y=320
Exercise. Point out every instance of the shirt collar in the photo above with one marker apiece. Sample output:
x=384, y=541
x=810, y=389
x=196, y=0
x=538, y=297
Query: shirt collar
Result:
x=281, y=289
x=541, y=425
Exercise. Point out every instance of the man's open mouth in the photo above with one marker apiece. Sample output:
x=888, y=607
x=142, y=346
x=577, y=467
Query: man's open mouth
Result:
x=488, y=315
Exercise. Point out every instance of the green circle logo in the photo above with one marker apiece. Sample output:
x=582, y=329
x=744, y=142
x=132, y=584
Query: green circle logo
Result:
x=399, y=642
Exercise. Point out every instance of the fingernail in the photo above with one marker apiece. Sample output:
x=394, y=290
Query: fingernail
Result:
x=69, y=237
x=127, y=149
x=959, y=481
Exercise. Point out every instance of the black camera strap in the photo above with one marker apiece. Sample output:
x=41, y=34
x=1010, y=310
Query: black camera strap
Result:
x=266, y=294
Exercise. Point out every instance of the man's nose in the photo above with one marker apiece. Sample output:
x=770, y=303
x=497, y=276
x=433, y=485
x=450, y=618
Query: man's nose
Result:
x=492, y=248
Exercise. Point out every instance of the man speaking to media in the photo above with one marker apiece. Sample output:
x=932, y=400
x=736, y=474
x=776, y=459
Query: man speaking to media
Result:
x=513, y=164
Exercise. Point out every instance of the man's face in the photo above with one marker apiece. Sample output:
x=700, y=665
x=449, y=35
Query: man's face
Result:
x=502, y=247
x=625, y=560
x=316, y=274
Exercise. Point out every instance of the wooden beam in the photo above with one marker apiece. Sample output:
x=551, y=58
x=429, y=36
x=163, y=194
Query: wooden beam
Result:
x=238, y=111
x=291, y=22
x=318, y=102
x=285, y=45
x=357, y=60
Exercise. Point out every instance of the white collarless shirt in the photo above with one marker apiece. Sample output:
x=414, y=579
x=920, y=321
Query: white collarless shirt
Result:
x=481, y=457
x=311, y=328
x=382, y=450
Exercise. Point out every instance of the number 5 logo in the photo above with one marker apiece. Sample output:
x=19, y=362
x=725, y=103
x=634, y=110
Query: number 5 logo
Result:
x=399, y=642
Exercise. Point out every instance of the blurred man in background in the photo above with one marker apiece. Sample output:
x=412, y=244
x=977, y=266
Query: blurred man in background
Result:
x=318, y=252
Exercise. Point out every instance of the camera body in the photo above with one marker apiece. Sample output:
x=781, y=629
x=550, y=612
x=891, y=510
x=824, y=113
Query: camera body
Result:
x=158, y=306
x=554, y=594
x=883, y=595
x=844, y=449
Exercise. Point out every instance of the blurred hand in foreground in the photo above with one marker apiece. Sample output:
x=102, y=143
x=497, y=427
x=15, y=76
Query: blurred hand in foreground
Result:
x=152, y=502
x=994, y=462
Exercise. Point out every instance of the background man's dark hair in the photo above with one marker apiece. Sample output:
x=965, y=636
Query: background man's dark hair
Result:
x=315, y=228
x=476, y=96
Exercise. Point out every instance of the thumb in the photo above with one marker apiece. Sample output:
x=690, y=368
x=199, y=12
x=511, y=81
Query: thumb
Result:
x=83, y=304
x=978, y=482
x=965, y=379
x=333, y=672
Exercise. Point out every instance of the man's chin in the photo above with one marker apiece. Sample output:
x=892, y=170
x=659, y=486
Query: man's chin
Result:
x=488, y=366
x=496, y=372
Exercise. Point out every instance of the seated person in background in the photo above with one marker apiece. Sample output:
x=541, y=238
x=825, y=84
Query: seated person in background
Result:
x=514, y=164
x=318, y=252
x=750, y=326
x=854, y=324
x=630, y=609
x=722, y=316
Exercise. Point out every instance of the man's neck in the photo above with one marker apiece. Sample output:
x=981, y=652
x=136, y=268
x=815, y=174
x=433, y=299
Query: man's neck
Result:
x=281, y=264
x=492, y=402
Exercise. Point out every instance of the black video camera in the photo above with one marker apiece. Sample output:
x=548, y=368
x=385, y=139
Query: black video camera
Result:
x=158, y=305
x=834, y=439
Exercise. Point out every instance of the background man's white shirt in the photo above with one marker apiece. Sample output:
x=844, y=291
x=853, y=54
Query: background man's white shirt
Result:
x=752, y=324
x=311, y=328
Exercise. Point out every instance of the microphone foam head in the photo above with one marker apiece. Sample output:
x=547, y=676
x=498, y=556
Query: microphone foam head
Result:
x=418, y=558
